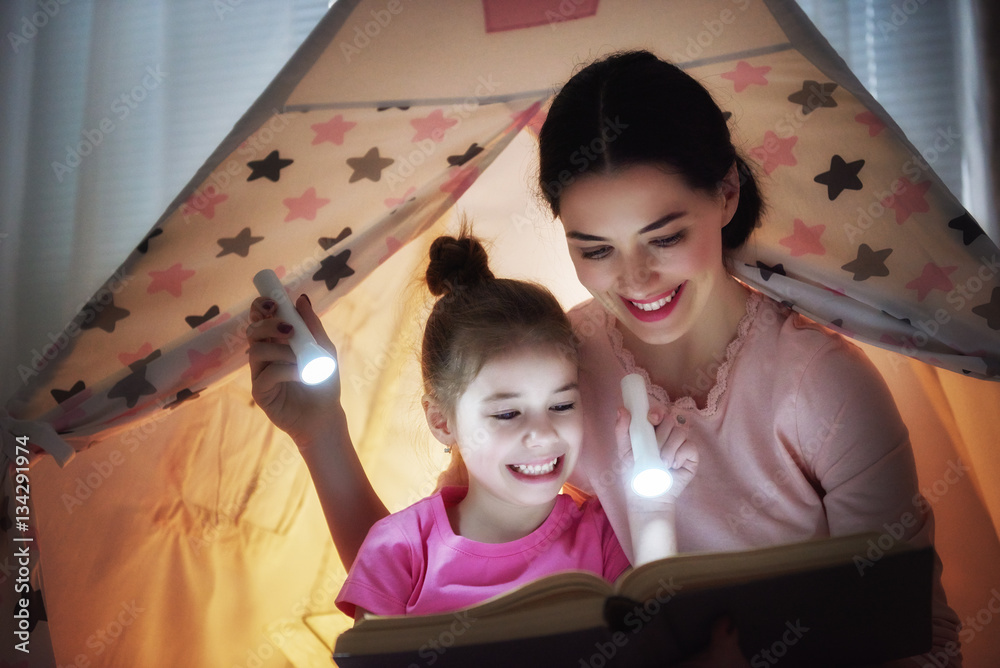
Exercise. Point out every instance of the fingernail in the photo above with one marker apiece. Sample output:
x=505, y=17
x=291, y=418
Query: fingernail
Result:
x=308, y=301
x=268, y=305
x=285, y=328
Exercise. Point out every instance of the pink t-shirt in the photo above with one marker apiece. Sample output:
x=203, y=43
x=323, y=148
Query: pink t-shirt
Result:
x=412, y=562
x=799, y=439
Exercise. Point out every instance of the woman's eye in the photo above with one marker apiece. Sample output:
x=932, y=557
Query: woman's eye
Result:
x=666, y=242
x=506, y=415
x=595, y=253
x=560, y=408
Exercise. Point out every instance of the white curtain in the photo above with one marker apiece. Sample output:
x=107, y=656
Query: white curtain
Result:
x=108, y=108
x=922, y=61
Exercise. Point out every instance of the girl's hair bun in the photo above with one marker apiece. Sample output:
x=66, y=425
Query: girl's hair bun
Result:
x=460, y=262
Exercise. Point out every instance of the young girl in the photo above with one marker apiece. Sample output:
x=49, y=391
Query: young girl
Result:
x=499, y=366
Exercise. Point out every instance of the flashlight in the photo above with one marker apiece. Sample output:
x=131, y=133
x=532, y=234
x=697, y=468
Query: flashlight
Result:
x=650, y=477
x=315, y=364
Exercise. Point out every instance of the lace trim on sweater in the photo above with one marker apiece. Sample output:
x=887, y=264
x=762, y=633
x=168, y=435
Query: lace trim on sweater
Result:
x=718, y=390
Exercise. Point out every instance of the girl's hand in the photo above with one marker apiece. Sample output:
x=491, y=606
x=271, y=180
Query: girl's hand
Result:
x=305, y=412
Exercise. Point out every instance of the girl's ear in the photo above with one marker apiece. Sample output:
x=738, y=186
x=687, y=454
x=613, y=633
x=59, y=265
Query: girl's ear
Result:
x=730, y=189
x=437, y=420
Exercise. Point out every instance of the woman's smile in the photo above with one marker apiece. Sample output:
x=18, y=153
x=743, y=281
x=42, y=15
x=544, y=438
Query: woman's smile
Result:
x=656, y=308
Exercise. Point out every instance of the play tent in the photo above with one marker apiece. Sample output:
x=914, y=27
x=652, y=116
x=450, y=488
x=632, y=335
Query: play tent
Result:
x=185, y=531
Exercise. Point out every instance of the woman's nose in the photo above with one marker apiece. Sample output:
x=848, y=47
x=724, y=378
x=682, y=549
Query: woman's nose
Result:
x=636, y=270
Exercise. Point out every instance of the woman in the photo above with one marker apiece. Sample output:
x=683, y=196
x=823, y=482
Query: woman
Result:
x=797, y=433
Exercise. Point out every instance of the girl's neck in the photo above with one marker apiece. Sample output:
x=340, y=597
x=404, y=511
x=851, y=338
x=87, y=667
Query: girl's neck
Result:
x=485, y=519
x=688, y=365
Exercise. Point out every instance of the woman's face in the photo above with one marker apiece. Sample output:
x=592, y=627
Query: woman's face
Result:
x=648, y=246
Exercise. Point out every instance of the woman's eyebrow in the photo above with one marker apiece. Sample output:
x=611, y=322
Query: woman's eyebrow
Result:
x=655, y=225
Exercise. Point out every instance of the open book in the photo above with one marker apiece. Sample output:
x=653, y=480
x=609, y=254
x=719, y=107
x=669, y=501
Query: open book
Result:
x=830, y=602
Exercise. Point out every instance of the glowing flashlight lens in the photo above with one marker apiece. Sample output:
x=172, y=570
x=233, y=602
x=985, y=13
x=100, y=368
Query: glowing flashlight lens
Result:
x=318, y=370
x=315, y=364
x=652, y=482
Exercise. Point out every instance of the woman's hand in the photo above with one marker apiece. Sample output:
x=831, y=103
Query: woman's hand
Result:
x=306, y=412
x=723, y=649
x=677, y=453
x=652, y=520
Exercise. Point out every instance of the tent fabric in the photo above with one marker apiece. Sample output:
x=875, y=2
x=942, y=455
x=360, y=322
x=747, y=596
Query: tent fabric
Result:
x=361, y=145
x=353, y=156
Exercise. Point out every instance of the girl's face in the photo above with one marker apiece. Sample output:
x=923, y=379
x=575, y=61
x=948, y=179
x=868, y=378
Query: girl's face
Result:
x=648, y=246
x=518, y=425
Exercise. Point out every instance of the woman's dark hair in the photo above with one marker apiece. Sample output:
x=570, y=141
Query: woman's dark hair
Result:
x=478, y=317
x=633, y=108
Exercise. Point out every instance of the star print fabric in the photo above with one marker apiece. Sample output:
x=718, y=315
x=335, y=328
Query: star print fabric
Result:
x=871, y=243
x=322, y=197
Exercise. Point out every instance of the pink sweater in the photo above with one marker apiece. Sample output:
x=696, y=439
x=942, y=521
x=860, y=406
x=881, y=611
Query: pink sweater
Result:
x=800, y=438
x=412, y=562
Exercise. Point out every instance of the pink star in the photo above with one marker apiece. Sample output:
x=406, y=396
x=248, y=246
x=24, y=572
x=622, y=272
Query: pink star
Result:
x=908, y=199
x=528, y=118
x=460, y=179
x=775, y=152
x=874, y=123
x=72, y=411
x=305, y=206
x=891, y=340
x=202, y=362
x=128, y=358
x=432, y=126
x=933, y=277
x=393, y=202
x=204, y=202
x=392, y=244
x=332, y=131
x=805, y=239
x=746, y=74
x=169, y=280
x=140, y=407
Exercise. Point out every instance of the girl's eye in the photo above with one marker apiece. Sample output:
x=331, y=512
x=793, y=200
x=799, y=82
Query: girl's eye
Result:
x=561, y=408
x=595, y=253
x=506, y=415
x=667, y=242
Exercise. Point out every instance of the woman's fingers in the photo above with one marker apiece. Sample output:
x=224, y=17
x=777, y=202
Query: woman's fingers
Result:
x=622, y=422
x=262, y=354
x=685, y=464
x=305, y=309
x=262, y=307
x=272, y=330
x=272, y=374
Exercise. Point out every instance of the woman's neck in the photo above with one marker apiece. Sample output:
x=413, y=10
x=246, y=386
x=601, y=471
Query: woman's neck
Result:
x=688, y=365
x=484, y=518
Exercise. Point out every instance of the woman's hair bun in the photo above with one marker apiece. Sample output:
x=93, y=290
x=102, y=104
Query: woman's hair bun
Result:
x=456, y=262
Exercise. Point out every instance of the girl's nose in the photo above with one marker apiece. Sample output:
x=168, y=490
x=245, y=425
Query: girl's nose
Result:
x=541, y=432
